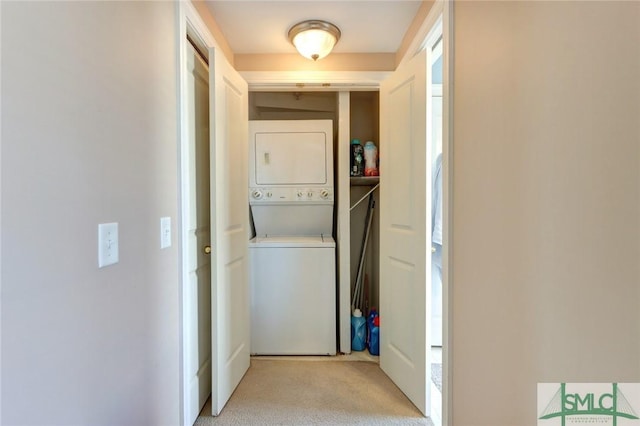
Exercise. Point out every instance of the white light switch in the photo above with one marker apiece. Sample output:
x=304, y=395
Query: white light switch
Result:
x=165, y=232
x=107, y=244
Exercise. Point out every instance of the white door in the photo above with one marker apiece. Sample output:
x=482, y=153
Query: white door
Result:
x=404, y=195
x=229, y=228
x=197, y=225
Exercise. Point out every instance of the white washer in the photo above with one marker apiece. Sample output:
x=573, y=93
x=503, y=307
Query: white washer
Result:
x=292, y=257
x=293, y=295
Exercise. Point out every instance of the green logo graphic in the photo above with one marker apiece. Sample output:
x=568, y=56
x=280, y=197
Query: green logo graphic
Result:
x=613, y=405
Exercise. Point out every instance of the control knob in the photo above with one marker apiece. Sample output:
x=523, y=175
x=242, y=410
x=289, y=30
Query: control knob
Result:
x=299, y=194
x=324, y=194
x=257, y=194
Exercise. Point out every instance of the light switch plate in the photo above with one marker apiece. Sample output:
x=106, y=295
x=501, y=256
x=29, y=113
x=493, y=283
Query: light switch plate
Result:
x=165, y=232
x=107, y=244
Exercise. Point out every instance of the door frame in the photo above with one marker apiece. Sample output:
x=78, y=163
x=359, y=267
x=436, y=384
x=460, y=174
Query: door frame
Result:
x=190, y=23
x=190, y=20
x=443, y=10
x=447, y=205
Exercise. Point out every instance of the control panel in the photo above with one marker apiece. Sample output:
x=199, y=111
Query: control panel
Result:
x=290, y=195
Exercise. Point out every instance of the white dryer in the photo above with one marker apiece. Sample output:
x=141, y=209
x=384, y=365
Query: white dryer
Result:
x=292, y=257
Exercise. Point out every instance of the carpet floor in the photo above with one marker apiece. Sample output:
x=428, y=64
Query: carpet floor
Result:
x=275, y=392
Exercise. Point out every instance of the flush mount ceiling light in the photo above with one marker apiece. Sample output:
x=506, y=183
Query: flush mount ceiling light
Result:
x=314, y=39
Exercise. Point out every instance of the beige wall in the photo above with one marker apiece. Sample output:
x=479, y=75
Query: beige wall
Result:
x=413, y=29
x=546, y=187
x=88, y=136
x=213, y=27
x=333, y=62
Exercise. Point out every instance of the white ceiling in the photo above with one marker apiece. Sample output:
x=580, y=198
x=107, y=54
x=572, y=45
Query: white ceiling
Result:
x=261, y=26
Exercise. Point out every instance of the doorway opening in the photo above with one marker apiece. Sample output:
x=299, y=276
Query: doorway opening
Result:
x=434, y=53
x=194, y=225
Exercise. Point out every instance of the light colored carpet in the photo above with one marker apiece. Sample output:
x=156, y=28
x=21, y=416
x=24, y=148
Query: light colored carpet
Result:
x=282, y=392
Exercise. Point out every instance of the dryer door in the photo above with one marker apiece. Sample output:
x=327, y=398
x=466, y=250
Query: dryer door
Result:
x=284, y=158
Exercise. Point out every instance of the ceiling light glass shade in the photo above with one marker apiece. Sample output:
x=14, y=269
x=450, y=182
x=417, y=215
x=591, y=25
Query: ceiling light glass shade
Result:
x=314, y=39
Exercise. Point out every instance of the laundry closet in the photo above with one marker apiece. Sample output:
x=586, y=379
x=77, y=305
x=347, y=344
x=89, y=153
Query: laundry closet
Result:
x=354, y=115
x=389, y=108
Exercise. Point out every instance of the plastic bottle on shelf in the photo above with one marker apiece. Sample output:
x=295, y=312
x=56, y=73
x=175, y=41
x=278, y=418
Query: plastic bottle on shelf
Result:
x=357, y=158
x=370, y=159
x=358, y=331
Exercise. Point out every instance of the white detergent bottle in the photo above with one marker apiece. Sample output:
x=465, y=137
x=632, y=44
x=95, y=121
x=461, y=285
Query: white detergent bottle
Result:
x=370, y=159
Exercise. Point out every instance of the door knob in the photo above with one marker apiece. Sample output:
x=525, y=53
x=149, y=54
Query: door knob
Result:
x=207, y=249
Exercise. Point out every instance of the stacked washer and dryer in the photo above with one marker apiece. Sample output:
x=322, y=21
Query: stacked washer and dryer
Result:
x=292, y=256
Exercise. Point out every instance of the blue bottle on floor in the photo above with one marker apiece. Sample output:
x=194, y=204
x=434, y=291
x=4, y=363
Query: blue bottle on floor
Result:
x=374, y=339
x=358, y=331
x=372, y=314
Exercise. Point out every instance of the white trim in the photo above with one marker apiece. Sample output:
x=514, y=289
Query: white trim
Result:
x=0, y=221
x=344, y=222
x=313, y=80
x=189, y=20
x=447, y=194
x=434, y=34
x=189, y=17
